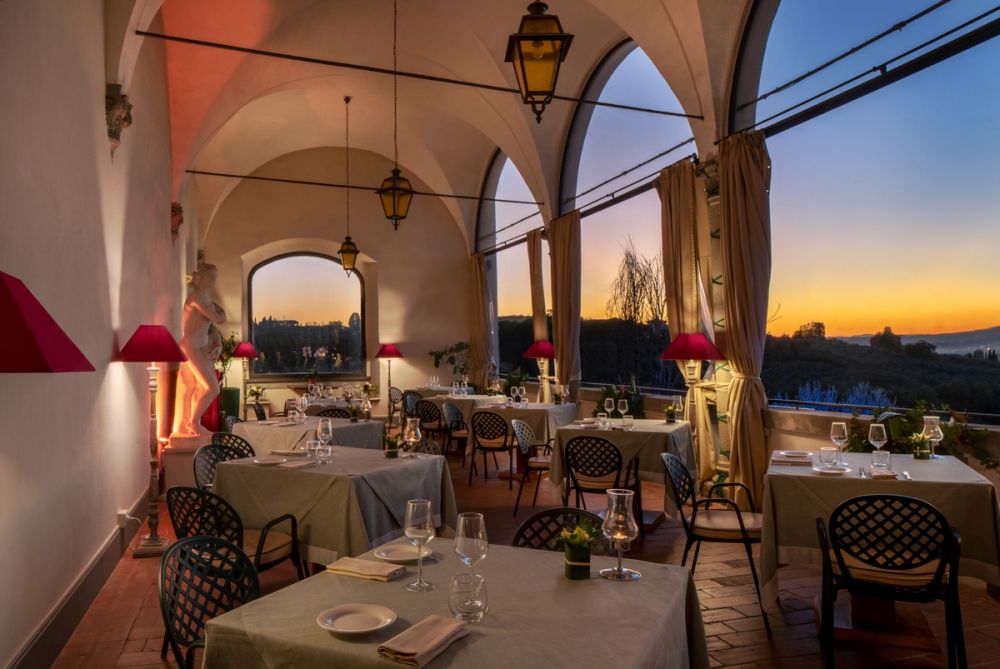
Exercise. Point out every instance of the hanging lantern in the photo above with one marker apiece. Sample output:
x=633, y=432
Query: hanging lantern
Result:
x=396, y=194
x=536, y=50
x=348, y=254
x=348, y=249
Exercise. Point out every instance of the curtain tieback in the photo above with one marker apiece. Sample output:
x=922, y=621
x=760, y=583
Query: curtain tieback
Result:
x=746, y=377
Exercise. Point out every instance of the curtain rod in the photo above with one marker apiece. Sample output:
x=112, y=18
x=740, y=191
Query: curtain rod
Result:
x=401, y=73
x=372, y=189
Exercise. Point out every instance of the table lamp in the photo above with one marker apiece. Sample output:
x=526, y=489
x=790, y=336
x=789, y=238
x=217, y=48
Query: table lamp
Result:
x=692, y=348
x=542, y=351
x=246, y=351
x=152, y=344
x=389, y=351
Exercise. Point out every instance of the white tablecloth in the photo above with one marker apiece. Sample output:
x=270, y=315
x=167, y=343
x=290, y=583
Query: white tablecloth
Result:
x=537, y=618
x=285, y=436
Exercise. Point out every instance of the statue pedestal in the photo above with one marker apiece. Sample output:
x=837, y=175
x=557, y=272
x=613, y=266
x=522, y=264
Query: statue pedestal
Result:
x=178, y=460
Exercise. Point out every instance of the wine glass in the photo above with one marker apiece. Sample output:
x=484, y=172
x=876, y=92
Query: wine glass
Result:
x=325, y=430
x=620, y=528
x=419, y=528
x=609, y=405
x=513, y=393
x=838, y=435
x=622, y=407
x=932, y=430
x=877, y=438
x=523, y=392
x=470, y=539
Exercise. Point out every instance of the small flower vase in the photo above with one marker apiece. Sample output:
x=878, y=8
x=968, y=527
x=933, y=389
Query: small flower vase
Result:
x=577, y=562
x=922, y=450
x=671, y=415
x=391, y=452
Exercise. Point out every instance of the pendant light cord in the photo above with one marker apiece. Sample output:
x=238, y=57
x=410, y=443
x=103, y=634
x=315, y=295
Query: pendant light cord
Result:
x=347, y=157
x=395, y=86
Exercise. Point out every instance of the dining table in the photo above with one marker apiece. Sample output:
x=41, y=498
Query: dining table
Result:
x=283, y=435
x=537, y=618
x=344, y=507
x=466, y=403
x=544, y=418
x=317, y=404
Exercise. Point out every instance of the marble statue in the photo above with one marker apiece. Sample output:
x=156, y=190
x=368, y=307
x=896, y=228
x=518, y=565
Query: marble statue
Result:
x=201, y=342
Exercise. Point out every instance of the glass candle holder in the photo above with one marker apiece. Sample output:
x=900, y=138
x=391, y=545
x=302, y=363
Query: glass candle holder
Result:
x=620, y=528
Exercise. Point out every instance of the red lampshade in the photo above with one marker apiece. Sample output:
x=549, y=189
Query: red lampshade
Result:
x=691, y=346
x=151, y=343
x=540, y=349
x=388, y=351
x=30, y=339
x=245, y=350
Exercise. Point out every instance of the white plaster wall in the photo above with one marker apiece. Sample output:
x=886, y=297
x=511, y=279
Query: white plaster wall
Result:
x=90, y=238
x=417, y=280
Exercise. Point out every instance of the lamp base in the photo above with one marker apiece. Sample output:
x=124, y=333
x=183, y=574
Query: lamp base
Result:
x=151, y=547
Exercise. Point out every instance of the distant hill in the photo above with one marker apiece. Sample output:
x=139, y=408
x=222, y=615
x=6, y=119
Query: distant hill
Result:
x=950, y=342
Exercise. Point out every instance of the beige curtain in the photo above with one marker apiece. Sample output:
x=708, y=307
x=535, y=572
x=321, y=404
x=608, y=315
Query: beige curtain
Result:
x=744, y=181
x=564, y=252
x=483, y=357
x=540, y=325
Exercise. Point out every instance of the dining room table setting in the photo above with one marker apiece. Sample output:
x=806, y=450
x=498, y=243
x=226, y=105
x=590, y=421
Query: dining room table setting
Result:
x=282, y=435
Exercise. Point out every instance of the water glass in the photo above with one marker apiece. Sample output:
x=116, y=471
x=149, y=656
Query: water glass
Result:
x=324, y=454
x=471, y=544
x=467, y=597
x=325, y=430
x=628, y=422
x=827, y=455
x=508, y=402
x=838, y=435
x=881, y=459
x=312, y=446
x=603, y=421
x=293, y=416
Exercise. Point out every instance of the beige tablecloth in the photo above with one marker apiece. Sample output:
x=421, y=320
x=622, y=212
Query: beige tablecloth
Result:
x=537, y=618
x=345, y=507
x=467, y=403
x=544, y=419
x=267, y=438
x=795, y=496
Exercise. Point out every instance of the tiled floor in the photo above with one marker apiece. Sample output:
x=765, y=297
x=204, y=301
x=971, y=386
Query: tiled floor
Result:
x=123, y=626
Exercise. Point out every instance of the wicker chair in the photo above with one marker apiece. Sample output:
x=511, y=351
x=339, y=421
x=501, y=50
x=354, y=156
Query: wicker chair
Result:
x=334, y=412
x=427, y=446
x=526, y=443
x=704, y=523
x=235, y=442
x=395, y=402
x=456, y=429
x=489, y=434
x=206, y=459
x=542, y=530
x=430, y=420
x=199, y=512
x=891, y=547
x=259, y=411
x=201, y=577
x=409, y=403
x=231, y=421
x=595, y=465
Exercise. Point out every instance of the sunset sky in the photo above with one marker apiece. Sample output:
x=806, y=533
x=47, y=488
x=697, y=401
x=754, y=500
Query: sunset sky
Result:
x=884, y=212
x=305, y=289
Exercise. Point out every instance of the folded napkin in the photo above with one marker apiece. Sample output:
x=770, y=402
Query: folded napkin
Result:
x=882, y=473
x=781, y=460
x=268, y=422
x=373, y=571
x=289, y=424
x=297, y=464
x=289, y=451
x=421, y=643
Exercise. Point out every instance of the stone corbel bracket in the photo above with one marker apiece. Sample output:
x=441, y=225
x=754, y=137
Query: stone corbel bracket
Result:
x=709, y=171
x=118, y=112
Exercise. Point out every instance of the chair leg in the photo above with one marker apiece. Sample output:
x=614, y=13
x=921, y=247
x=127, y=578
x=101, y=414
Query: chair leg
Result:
x=687, y=547
x=510, y=478
x=495, y=463
x=756, y=585
x=538, y=484
x=956, y=635
x=486, y=467
x=163, y=649
x=694, y=560
x=520, y=489
x=473, y=467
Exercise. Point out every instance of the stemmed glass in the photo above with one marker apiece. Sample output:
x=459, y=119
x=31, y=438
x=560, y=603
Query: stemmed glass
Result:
x=470, y=539
x=838, y=435
x=419, y=528
x=932, y=430
x=514, y=390
x=609, y=406
x=522, y=391
x=324, y=432
x=620, y=528
x=877, y=438
x=622, y=408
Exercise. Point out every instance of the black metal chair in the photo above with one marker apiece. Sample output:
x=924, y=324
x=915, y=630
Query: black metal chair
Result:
x=334, y=412
x=409, y=403
x=456, y=429
x=235, y=442
x=427, y=446
x=489, y=434
x=199, y=512
x=891, y=547
x=703, y=523
x=534, y=462
x=258, y=411
x=289, y=404
x=395, y=402
x=595, y=465
x=207, y=459
x=542, y=530
x=201, y=577
x=231, y=421
x=430, y=419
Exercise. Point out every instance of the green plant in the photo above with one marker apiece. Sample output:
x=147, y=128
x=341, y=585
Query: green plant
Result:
x=391, y=442
x=581, y=536
x=225, y=360
x=629, y=393
x=456, y=355
x=514, y=379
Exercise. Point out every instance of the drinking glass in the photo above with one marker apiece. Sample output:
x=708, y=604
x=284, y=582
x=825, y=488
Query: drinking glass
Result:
x=620, y=528
x=603, y=421
x=467, y=597
x=609, y=405
x=513, y=393
x=524, y=394
x=508, y=402
x=881, y=459
x=838, y=435
x=324, y=454
x=293, y=416
x=301, y=403
x=932, y=430
x=419, y=528
x=877, y=438
x=827, y=456
x=325, y=430
x=471, y=544
x=628, y=422
x=311, y=448
x=622, y=407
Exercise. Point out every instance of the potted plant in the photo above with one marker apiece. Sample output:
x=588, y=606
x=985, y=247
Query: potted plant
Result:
x=229, y=398
x=456, y=355
x=577, y=543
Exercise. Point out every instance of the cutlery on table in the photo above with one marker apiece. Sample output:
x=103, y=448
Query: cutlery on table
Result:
x=906, y=476
x=861, y=472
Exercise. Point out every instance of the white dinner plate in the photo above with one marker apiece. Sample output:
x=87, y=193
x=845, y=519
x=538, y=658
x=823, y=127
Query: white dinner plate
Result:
x=290, y=453
x=268, y=460
x=805, y=455
x=401, y=553
x=832, y=470
x=356, y=618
